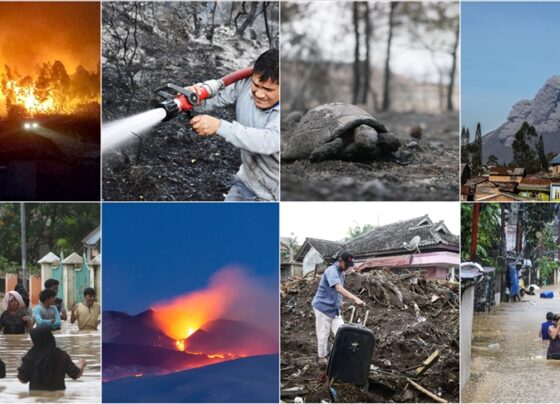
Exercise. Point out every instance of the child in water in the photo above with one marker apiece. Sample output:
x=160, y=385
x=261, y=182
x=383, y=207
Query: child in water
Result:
x=543, y=333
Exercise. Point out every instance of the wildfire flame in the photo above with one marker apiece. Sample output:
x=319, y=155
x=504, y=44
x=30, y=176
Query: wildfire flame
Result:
x=53, y=91
x=26, y=96
x=180, y=344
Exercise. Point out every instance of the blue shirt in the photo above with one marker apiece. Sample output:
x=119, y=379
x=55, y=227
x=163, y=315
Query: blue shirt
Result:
x=47, y=317
x=544, y=329
x=327, y=299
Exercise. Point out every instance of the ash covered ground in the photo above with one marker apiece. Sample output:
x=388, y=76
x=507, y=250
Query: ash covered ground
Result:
x=430, y=171
x=404, y=336
x=170, y=162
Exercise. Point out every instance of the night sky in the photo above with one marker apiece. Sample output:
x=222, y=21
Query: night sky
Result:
x=156, y=251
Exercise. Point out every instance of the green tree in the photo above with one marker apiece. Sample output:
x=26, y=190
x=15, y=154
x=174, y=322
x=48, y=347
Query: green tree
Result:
x=357, y=230
x=59, y=227
x=523, y=155
x=542, y=155
x=476, y=153
x=492, y=160
x=465, y=145
x=488, y=241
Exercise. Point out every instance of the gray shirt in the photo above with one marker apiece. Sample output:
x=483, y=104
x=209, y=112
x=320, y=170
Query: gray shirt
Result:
x=257, y=133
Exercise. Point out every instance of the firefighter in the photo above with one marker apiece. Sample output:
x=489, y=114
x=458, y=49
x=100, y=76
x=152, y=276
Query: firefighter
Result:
x=256, y=130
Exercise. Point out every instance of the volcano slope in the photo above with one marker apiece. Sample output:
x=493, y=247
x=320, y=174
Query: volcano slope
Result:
x=410, y=317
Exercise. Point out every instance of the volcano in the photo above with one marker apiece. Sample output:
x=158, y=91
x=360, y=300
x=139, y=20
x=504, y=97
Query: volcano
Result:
x=248, y=380
x=140, y=329
x=542, y=112
x=133, y=345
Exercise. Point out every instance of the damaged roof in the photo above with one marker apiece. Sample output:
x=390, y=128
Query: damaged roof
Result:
x=388, y=239
x=326, y=248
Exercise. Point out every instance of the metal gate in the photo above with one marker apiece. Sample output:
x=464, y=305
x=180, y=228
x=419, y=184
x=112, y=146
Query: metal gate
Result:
x=81, y=280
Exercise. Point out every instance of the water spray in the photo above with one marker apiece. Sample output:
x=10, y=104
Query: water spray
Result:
x=175, y=99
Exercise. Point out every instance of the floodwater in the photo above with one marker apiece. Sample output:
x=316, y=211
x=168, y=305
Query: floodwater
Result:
x=78, y=344
x=508, y=358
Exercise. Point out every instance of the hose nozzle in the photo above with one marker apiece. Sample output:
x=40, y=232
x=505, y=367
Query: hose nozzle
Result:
x=171, y=108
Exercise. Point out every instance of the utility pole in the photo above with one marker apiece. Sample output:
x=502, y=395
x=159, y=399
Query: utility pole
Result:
x=474, y=237
x=23, y=245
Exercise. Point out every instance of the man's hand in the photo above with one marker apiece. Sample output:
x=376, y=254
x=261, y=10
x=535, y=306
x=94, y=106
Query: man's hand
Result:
x=359, y=302
x=205, y=125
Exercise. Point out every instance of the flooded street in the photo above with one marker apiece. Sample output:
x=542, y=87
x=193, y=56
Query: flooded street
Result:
x=508, y=358
x=78, y=344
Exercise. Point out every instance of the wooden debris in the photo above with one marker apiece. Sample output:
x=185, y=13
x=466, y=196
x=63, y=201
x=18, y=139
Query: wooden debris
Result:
x=428, y=363
x=293, y=391
x=426, y=392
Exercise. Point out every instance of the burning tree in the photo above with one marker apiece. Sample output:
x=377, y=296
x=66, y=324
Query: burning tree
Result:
x=52, y=91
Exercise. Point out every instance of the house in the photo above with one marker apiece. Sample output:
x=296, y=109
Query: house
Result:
x=289, y=267
x=392, y=246
x=535, y=188
x=316, y=254
x=554, y=166
x=555, y=191
x=505, y=174
x=92, y=243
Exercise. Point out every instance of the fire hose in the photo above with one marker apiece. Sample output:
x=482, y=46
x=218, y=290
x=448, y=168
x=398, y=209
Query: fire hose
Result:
x=179, y=99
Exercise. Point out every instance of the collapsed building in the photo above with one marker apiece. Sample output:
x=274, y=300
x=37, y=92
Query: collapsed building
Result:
x=406, y=276
x=417, y=243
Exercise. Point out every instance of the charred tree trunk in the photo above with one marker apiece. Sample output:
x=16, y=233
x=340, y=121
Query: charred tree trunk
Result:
x=356, y=68
x=213, y=24
x=251, y=15
x=266, y=24
x=387, y=80
x=366, y=70
x=453, y=69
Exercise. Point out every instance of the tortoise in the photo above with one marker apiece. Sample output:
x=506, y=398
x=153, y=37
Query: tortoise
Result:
x=339, y=131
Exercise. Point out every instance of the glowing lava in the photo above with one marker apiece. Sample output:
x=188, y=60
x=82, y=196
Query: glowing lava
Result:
x=180, y=344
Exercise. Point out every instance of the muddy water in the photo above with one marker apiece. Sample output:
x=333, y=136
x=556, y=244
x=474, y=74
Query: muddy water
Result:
x=508, y=359
x=78, y=344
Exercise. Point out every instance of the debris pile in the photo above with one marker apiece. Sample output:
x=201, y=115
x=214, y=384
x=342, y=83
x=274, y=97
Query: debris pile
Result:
x=416, y=325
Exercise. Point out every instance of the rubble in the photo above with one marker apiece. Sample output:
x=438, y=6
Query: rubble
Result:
x=412, y=319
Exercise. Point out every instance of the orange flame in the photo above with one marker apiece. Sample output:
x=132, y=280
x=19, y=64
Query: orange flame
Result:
x=231, y=296
x=26, y=96
x=54, y=91
x=183, y=316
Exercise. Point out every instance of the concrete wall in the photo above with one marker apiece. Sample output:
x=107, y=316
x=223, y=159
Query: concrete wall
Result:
x=311, y=259
x=467, y=313
x=35, y=287
x=11, y=281
x=436, y=274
